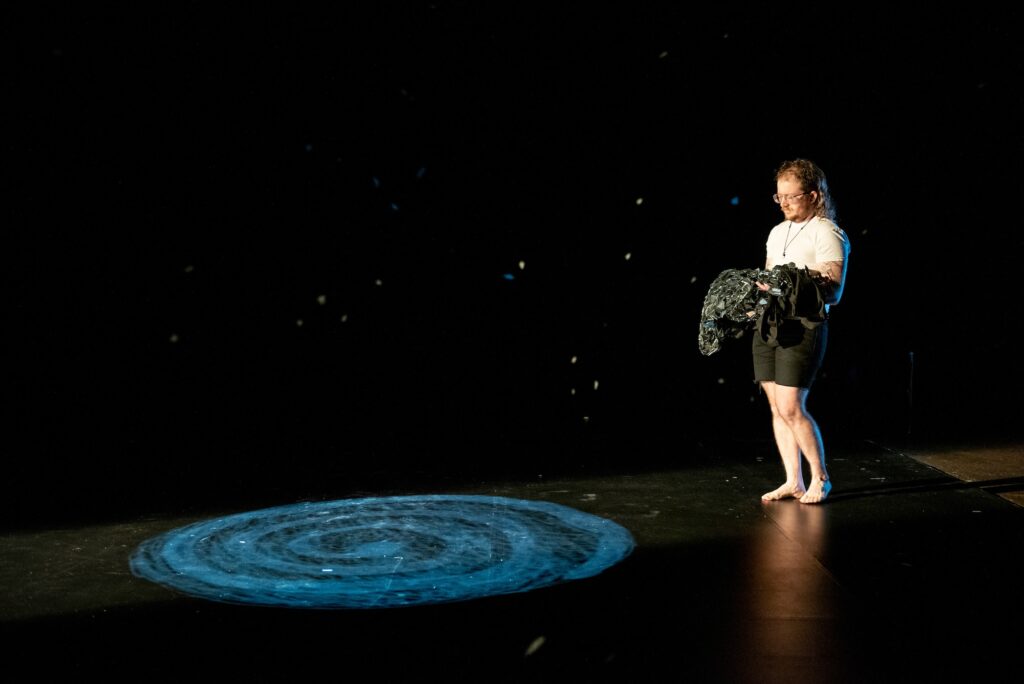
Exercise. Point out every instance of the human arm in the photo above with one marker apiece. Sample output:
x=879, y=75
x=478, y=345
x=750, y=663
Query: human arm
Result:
x=832, y=249
x=830, y=277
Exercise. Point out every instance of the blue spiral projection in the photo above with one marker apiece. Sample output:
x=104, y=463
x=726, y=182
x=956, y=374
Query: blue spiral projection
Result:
x=382, y=552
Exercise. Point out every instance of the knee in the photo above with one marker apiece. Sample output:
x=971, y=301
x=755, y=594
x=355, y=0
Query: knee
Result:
x=790, y=413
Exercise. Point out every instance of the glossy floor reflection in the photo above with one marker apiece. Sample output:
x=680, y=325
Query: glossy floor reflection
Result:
x=907, y=573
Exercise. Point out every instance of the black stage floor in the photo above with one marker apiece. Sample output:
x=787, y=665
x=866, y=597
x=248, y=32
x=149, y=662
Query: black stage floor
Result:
x=907, y=573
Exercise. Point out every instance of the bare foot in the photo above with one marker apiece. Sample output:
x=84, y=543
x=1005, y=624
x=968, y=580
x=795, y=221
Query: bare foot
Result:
x=784, y=492
x=817, y=492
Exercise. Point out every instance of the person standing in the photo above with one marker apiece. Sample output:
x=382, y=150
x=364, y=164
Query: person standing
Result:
x=786, y=363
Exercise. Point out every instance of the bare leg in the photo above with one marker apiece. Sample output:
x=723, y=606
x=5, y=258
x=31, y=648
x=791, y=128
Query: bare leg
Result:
x=789, y=451
x=796, y=434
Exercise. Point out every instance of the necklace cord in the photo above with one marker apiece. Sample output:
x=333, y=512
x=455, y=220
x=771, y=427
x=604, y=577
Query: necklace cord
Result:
x=788, y=242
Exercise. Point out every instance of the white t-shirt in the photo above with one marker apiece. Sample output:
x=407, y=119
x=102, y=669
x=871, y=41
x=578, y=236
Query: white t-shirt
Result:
x=803, y=244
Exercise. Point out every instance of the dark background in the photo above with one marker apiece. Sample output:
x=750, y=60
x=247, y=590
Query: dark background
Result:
x=274, y=254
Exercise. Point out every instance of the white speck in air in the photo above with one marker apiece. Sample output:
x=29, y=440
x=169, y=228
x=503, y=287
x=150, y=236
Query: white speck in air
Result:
x=534, y=645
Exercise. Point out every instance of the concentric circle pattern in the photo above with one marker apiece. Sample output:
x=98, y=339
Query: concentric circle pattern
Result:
x=382, y=552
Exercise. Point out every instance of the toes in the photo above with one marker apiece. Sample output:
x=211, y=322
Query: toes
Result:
x=818, y=492
x=783, y=492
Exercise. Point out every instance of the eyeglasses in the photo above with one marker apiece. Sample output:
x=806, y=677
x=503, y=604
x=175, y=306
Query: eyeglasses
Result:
x=779, y=199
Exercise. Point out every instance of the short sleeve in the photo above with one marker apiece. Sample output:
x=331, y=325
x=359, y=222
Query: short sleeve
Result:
x=831, y=243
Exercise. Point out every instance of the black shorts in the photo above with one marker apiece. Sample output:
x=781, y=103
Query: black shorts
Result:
x=793, y=357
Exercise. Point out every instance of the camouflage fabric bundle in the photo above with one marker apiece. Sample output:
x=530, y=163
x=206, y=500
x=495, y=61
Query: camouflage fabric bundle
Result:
x=731, y=307
x=734, y=305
